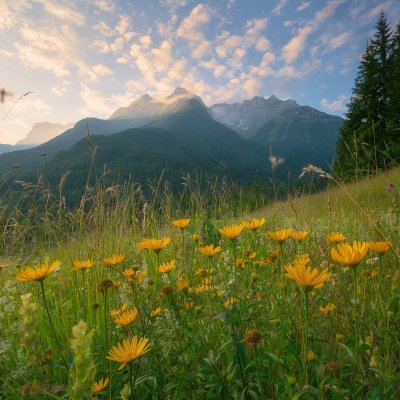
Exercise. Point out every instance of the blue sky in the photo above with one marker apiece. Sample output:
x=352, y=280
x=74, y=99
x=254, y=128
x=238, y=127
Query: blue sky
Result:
x=88, y=57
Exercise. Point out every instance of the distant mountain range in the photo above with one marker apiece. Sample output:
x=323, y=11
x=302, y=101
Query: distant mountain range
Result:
x=180, y=134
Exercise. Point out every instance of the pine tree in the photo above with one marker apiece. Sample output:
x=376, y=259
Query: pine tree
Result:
x=368, y=137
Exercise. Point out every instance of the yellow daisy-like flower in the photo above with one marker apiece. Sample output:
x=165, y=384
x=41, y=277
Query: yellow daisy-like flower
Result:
x=207, y=286
x=126, y=318
x=281, y=235
x=128, y=351
x=129, y=272
x=183, y=282
x=254, y=224
x=118, y=311
x=167, y=266
x=113, y=260
x=196, y=237
x=379, y=247
x=79, y=265
x=335, y=237
x=230, y=302
x=251, y=255
x=37, y=274
x=155, y=312
x=154, y=244
x=181, y=223
x=231, y=231
x=100, y=385
x=299, y=235
x=349, y=255
x=306, y=278
x=141, y=275
x=302, y=259
x=210, y=250
x=328, y=309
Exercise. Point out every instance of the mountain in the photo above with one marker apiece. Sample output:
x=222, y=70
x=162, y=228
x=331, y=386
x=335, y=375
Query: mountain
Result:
x=249, y=116
x=302, y=135
x=42, y=132
x=180, y=134
x=189, y=140
x=140, y=113
x=147, y=107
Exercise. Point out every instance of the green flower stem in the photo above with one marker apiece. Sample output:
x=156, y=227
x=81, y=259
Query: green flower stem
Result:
x=234, y=259
x=355, y=313
x=305, y=337
x=51, y=325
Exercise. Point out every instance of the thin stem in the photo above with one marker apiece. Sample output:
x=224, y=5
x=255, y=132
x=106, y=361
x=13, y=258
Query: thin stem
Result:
x=305, y=339
x=130, y=379
x=51, y=324
x=234, y=259
x=355, y=313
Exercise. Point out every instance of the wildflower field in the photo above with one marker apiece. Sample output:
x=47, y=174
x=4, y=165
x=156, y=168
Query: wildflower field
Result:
x=296, y=300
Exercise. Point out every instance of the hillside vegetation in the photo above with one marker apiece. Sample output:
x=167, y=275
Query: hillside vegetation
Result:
x=132, y=303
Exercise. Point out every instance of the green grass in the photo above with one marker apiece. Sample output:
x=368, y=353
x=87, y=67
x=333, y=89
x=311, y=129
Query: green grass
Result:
x=196, y=342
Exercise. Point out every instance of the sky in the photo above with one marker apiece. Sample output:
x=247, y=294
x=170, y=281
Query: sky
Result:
x=84, y=58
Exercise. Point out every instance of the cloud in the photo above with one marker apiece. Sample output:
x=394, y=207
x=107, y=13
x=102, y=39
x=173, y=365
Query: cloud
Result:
x=10, y=13
x=303, y=6
x=337, y=41
x=191, y=26
x=336, y=106
x=94, y=73
x=66, y=14
x=51, y=49
x=62, y=88
x=105, y=5
x=97, y=104
x=173, y=4
x=292, y=50
x=278, y=8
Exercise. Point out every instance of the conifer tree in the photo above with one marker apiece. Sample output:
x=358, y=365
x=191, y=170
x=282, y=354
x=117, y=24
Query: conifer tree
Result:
x=369, y=137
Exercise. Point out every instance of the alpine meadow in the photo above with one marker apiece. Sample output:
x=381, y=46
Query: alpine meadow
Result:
x=200, y=200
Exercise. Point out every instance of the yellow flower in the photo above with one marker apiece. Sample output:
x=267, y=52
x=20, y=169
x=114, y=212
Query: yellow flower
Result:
x=183, y=283
x=207, y=286
x=128, y=351
x=79, y=265
x=328, y=309
x=167, y=266
x=196, y=237
x=154, y=244
x=201, y=272
x=209, y=251
x=231, y=231
x=116, y=283
x=335, y=237
x=254, y=224
x=99, y=385
x=250, y=255
x=113, y=260
x=298, y=235
x=311, y=356
x=155, y=312
x=379, y=247
x=349, y=255
x=181, y=223
x=230, y=302
x=141, y=275
x=306, y=278
x=126, y=318
x=302, y=259
x=281, y=235
x=118, y=311
x=220, y=292
x=38, y=273
x=129, y=272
